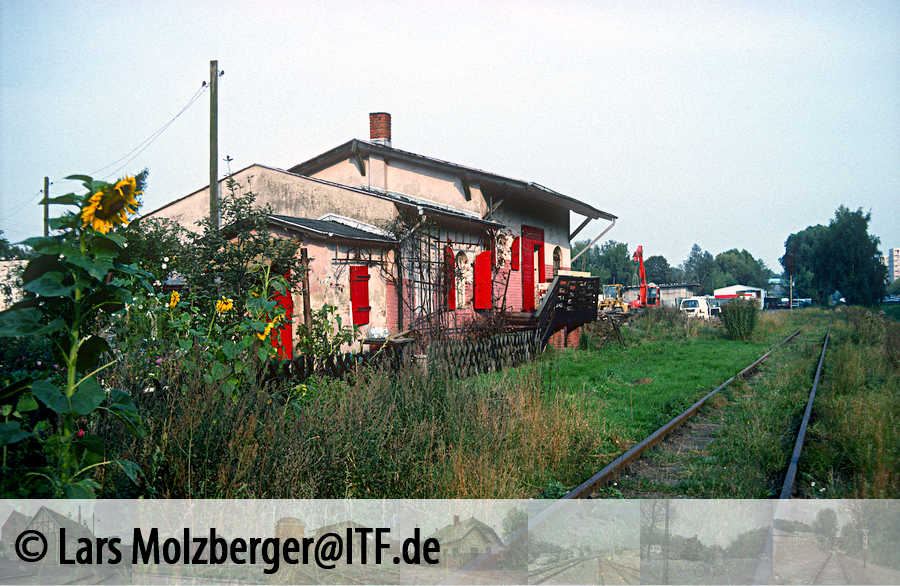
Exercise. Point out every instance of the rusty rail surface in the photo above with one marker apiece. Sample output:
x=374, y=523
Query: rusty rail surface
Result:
x=613, y=468
x=788, y=486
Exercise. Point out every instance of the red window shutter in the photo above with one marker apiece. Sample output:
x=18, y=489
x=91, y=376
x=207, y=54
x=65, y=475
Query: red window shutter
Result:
x=482, y=284
x=514, y=256
x=450, y=275
x=359, y=295
x=283, y=337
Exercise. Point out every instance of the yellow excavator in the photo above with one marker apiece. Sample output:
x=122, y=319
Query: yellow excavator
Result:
x=612, y=300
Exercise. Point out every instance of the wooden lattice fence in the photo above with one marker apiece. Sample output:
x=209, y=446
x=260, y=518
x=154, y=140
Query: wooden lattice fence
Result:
x=460, y=357
x=466, y=357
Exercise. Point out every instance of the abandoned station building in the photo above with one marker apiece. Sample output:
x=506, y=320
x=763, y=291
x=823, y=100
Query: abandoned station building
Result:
x=400, y=241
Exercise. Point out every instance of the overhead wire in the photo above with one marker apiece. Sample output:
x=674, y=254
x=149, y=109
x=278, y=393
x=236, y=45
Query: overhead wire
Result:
x=144, y=144
x=39, y=193
x=130, y=155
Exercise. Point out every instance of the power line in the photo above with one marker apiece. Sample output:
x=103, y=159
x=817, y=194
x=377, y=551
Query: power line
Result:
x=144, y=144
x=130, y=155
x=24, y=207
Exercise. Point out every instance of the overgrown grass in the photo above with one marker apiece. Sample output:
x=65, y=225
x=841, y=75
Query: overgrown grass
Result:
x=753, y=445
x=851, y=444
x=530, y=431
x=852, y=449
x=401, y=436
x=892, y=310
x=669, y=362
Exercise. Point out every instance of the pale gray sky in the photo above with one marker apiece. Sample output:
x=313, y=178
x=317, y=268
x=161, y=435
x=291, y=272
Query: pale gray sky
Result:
x=727, y=124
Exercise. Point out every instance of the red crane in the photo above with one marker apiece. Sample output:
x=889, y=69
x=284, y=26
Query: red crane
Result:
x=649, y=294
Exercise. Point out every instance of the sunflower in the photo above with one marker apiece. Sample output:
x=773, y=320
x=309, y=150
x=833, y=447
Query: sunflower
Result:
x=111, y=206
x=224, y=304
x=265, y=334
x=174, y=298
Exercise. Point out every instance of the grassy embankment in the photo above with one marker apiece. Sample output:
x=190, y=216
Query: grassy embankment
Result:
x=851, y=445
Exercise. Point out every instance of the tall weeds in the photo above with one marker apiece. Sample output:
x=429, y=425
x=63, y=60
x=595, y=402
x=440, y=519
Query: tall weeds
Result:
x=379, y=435
x=853, y=447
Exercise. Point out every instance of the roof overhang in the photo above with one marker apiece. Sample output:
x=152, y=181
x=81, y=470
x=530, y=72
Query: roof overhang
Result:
x=294, y=226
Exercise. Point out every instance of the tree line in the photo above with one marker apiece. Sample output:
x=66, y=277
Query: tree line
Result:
x=825, y=262
x=612, y=262
x=841, y=258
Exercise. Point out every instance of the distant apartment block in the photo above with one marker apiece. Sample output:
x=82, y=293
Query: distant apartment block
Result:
x=893, y=264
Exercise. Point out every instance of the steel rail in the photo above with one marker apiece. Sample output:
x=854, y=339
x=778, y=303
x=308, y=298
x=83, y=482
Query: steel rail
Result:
x=555, y=570
x=613, y=468
x=791, y=475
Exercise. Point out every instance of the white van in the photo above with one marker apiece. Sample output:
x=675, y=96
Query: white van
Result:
x=696, y=307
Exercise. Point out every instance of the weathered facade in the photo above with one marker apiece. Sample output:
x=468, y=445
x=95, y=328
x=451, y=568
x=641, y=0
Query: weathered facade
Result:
x=468, y=541
x=397, y=240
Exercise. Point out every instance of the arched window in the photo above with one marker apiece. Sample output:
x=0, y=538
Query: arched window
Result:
x=557, y=259
x=514, y=255
x=449, y=278
x=461, y=273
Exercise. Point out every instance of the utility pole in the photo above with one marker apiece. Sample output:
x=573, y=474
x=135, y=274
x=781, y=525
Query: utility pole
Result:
x=46, y=206
x=666, y=544
x=214, y=143
x=307, y=311
x=791, y=298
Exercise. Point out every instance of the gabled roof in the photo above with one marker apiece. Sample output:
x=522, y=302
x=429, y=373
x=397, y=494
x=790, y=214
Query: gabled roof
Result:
x=529, y=189
x=456, y=531
x=329, y=228
x=73, y=528
x=16, y=522
x=394, y=197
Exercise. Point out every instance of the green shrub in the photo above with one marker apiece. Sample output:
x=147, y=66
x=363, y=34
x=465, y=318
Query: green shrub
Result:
x=739, y=318
x=867, y=327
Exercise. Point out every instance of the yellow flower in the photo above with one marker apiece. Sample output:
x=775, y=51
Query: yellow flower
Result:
x=265, y=334
x=174, y=298
x=111, y=206
x=224, y=304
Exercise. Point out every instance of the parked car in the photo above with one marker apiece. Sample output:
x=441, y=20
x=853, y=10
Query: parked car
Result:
x=698, y=307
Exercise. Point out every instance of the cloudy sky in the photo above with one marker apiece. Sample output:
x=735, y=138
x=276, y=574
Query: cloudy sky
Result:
x=726, y=124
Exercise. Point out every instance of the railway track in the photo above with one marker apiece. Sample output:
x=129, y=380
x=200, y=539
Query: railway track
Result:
x=788, y=487
x=629, y=575
x=603, y=570
x=832, y=571
x=541, y=575
x=589, y=487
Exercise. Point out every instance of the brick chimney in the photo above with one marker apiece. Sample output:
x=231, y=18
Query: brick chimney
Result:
x=380, y=128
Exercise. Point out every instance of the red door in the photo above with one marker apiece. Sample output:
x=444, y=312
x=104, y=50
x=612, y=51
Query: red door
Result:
x=532, y=241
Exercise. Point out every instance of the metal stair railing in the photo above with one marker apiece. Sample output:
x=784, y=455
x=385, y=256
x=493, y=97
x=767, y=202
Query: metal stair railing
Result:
x=569, y=301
